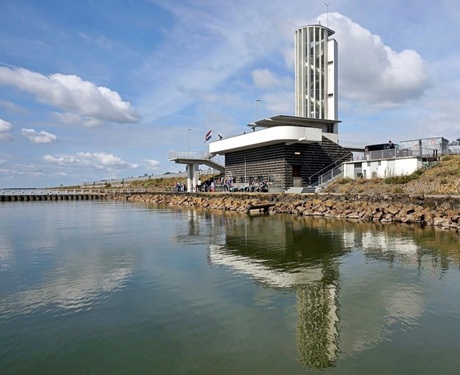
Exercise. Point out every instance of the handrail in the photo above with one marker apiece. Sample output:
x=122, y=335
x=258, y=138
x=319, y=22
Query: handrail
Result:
x=197, y=156
x=331, y=175
x=68, y=192
x=327, y=168
x=48, y=191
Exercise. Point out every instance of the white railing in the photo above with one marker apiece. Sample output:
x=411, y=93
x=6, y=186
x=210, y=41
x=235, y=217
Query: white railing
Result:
x=188, y=155
x=454, y=149
x=331, y=175
x=399, y=153
x=124, y=191
x=9, y=192
x=69, y=192
x=314, y=180
x=197, y=156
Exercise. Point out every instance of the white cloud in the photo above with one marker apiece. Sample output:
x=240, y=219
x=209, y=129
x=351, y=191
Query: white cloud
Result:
x=264, y=78
x=372, y=72
x=205, y=65
x=68, y=118
x=10, y=106
x=5, y=128
x=220, y=51
x=97, y=160
x=278, y=103
x=38, y=137
x=219, y=47
x=154, y=164
x=17, y=169
x=69, y=93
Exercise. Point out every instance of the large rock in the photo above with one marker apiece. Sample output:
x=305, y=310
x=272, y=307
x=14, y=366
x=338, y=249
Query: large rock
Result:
x=433, y=211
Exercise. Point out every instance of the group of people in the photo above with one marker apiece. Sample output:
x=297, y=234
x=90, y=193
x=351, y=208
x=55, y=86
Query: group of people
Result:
x=208, y=185
x=179, y=187
x=228, y=185
x=259, y=186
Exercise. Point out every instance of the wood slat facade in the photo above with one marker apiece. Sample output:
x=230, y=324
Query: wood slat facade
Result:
x=283, y=166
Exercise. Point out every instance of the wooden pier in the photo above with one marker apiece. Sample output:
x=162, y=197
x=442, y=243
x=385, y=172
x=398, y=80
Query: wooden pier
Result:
x=27, y=195
x=262, y=208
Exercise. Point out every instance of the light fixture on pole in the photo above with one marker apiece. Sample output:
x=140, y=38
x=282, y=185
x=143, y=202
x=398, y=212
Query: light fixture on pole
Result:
x=188, y=143
x=257, y=109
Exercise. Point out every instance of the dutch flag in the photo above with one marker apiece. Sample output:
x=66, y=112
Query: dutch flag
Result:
x=208, y=136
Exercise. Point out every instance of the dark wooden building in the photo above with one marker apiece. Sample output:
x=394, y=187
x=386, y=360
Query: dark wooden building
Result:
x=287, y=152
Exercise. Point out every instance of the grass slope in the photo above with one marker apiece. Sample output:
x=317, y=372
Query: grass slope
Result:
x=442, y=177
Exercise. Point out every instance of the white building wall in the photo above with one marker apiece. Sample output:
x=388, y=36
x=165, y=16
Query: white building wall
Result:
x=265, y=137
x=382, y=168
x=349, y=170
x=332, y=81
x=426, y=146
x=409, y=166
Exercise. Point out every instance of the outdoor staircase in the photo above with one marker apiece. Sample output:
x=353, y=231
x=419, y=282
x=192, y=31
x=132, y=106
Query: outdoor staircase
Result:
x=301, y=190
x=321, y=179
x=190, y=157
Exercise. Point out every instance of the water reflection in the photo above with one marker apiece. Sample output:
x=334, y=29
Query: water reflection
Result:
x=284, y=254
x=6, y=255
x=338, y=315
x=66, y=290
x=174, y=290
x=59, y=269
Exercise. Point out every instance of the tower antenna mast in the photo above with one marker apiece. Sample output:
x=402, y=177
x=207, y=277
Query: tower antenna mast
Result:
x=327, y=14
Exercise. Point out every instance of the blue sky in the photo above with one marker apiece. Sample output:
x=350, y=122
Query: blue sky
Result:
x=101, y=89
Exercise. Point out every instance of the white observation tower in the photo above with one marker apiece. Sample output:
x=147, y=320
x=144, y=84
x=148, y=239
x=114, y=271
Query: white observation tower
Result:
x=315, y=73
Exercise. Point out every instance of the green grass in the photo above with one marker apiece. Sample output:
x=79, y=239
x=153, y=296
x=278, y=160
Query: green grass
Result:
x=397, y=180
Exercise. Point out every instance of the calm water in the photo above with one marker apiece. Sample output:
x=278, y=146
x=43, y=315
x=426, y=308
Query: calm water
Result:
x=116, y=288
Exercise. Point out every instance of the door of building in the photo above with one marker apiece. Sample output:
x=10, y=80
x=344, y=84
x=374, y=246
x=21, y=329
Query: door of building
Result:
x=296, y=176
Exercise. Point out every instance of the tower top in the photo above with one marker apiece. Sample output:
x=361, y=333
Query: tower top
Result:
x=315, y=72
x=329, y=31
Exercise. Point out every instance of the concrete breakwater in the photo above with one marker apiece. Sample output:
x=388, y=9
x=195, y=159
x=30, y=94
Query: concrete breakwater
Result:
x=439, y=211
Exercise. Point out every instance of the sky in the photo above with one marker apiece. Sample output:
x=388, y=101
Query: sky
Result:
x=106, y=89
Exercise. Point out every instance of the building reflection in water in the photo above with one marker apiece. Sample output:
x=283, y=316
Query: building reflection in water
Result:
x=275, y=253
x=304, y=255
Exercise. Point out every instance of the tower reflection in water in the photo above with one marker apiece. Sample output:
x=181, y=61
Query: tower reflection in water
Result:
x=279, y=255
x=306, y=255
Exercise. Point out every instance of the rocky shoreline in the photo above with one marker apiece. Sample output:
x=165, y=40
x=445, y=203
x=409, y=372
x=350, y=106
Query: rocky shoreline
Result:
x=438, y=211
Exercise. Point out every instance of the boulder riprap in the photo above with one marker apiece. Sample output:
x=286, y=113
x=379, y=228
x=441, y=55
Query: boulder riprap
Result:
x=441, y=211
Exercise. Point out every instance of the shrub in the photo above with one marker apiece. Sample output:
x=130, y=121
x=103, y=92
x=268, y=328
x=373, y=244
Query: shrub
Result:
x=343, y=180
x=394, y=180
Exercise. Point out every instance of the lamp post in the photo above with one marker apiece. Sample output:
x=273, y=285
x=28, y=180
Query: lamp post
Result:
x=188, y=143
x=245, y=171
x=257, y=109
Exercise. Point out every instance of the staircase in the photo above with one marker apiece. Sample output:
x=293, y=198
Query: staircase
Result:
x=301, y=190
x=217, y=163
x=321, y=181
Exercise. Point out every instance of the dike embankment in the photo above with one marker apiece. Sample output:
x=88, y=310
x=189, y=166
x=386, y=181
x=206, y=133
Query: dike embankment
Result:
x=439, y=211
